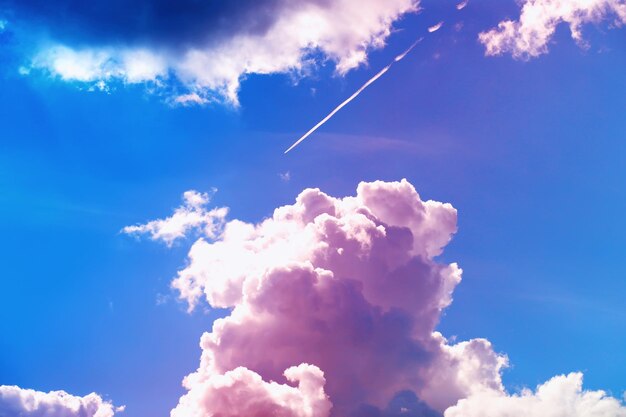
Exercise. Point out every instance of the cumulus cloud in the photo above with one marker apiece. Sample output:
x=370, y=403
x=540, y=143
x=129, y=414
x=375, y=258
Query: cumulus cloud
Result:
x=346, y=294
x=193, y=215
x=561, y=396
x=18, y=402
x=529, y=36
x=204, y=47
x=241, y=392
x=348, y=285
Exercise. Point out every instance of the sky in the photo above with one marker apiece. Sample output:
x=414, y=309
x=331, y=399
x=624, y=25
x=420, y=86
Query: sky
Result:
x=142, y=165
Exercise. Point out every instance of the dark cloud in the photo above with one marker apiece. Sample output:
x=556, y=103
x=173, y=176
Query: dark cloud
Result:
x=144, y=22
x=206, y=46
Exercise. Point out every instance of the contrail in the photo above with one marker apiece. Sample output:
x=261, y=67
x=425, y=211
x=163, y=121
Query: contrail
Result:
x=353, y=96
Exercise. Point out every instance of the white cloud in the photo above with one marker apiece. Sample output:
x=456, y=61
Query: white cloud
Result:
x=529, y=36
x=192, y=215
x=19, y=402
x=101, y=65
x=341, y=31
x=561, y=396
x=189, y=99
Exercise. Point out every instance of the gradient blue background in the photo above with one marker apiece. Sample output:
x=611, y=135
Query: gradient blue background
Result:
x=532, y=154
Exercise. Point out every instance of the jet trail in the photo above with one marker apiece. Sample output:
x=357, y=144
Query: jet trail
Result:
x=353, y=96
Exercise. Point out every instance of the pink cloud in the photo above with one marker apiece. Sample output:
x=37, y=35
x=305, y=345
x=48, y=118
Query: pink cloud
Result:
x=349, y=285
x=241, y=392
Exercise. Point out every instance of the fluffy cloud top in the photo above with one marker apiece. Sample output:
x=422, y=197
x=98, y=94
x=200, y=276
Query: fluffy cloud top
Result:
x=241, y=392
x=206, y=47
x=18, y=402
x=348, y=285
x=529, y=36
x=562, y=396
x=192, y=215
x=345, y=294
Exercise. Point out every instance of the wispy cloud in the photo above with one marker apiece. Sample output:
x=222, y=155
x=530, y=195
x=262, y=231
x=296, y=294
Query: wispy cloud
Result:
x=462, y=5
x=192, y=215
x=285, y=176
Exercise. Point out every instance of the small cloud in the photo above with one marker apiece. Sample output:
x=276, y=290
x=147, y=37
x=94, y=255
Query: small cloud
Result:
x=192, y=215
x=285, y=176
x=162, y=299
x=462, y=5
x=435, y=28
x=529, y=36
x=190, y=99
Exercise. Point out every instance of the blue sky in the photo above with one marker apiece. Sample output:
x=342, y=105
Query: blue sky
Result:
x=530, y=152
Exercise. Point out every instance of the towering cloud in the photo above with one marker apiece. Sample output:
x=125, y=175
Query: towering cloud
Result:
x=348, y=287
x=205, y=48
x=529, y=36
x=18, y=402
x=333, y=306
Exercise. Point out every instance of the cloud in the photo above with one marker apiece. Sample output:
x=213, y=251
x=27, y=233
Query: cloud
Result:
x=189, y=99
x=462, y=5
x=561, y=396
x=206, y=48
x=435, y=28
x=285, y=176
x=529, y=36
x=241, y=392
x=191, y=216
x=348, y=285
x=15, y=401
x=346, y=294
